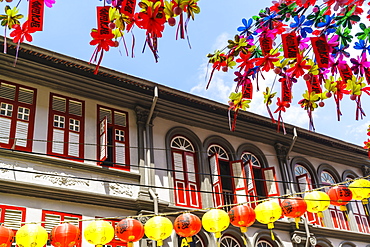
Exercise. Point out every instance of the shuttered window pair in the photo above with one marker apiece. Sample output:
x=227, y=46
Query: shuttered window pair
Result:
x=66, y=127
x=17, y=113
x=12, y=217
x=113, y=148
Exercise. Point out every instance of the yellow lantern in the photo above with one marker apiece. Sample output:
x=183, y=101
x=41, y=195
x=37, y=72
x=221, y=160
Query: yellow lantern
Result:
x=215, y=220
x=268, y=212
x=158, y=228
x=360, y=189
x=31, y=235
x=99, y=232
x=317, y=201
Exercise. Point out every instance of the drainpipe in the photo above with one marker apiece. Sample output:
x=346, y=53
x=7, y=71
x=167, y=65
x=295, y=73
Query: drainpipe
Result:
x=149, y=172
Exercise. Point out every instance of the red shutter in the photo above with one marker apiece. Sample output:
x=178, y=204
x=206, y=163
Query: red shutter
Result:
x=192, y=181
x=271, y=185
x=216, y=181
x=103, y=139
x=251, y=185
x=239, y=181
x=304, y=184
x=179, y=178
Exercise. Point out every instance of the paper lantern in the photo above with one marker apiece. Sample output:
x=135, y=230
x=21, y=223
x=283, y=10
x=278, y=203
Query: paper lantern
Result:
x=340, y=196
x=31, y=235
x=268, y=212
x=158, y=228
x=360, y=189
x=65, y=235
x=187, y=225
x=294, y=207
x=129, y=231
x=242, y=216
x=6, y=236
x=99, y=232
x=216, y=220
x=317, y=201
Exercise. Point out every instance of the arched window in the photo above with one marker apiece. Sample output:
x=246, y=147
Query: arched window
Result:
x=358, y=210
x=229, y=241
x=264, y=243
x=217, y=149
x=247, y=156
x=184, y=164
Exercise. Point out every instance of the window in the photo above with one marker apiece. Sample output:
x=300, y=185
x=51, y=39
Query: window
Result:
x=116, y=242
x=12, y=217
x=264, y=243
x=17, y=114
x=337, y=216
x=113, y=146
x=184, y=164
x=66, y=132
x=241, y=180
x=229, y=241
x=51, y=219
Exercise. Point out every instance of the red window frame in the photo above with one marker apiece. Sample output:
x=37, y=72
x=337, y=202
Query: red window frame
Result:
x=67, y=143
x=14, y=118
x=109, y=158
x=62, y=219
x=116, y=242
x=3, y=209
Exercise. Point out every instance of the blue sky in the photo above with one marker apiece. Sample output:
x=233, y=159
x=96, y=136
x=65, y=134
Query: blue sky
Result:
x=67, y=30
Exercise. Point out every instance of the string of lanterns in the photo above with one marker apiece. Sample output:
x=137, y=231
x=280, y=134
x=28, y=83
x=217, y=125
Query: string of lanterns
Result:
x=186, y=225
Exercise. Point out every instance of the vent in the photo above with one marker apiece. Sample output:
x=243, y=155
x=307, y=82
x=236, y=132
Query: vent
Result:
x=72, y=220
x=105, y=113
x=59, y=104
x=120, y=119
x=51, y=220
x=75, y=108
x=7, y=91
x=25, y=96
x=13, y=219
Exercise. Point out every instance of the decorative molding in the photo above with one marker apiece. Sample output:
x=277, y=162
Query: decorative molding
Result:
x=365, y=170
x=54, y=177
x=119, y=189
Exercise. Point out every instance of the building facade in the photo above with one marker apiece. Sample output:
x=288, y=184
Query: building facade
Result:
x=75, y=146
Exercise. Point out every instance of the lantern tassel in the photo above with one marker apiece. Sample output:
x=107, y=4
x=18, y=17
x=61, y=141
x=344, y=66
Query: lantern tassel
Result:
x=297, y=220
x=272, y=235
x=189, y=239
x=159, y=242
x=130, y=244
x=321, y=216
x=364, y=202
x=244, y=239
x=184, y=242
x=343, y=208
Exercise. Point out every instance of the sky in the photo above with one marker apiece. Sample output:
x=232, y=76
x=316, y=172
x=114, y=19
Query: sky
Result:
x=67, y=27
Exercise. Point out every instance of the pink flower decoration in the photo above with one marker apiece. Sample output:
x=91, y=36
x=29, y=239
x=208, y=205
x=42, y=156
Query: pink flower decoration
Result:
x=49, y=3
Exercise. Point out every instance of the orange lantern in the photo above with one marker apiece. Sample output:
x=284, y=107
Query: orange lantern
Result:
x=294, y=207
x=129, y=231
x=340, y=196
x=242, y=216
x=6, y=236
x=65, y=235
x=215, y=220
x=187, y=225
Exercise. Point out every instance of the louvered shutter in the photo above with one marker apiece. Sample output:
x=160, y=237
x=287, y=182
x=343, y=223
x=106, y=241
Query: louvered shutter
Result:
x=216, y=180
x=271, y=185
x=304, y=184
x=13, y=218
x=120, y=150
x=73, y=144
x=58, y=141
x=103, y=139
x=5, y=126
x=21, y=133
x=179, y=178
x=239, y=181
x=251, y=185
x=51, y=220
x=193, y=191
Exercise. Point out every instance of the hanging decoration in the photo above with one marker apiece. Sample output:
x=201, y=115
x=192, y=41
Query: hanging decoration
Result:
x=340, y=196
x=242, y=216
x=129, y=230
x=31, y=235
x=216, y=221
x=99, y=232
x=317, y=202
x=294, y=207
x=299, y=41
x=360, y=189
x=158, y=228
x=65, y=235
x=6, y=236
x=187, y=225
x=267, y=213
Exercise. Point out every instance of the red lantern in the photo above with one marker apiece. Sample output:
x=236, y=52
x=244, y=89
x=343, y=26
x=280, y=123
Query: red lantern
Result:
x=294, y=207
x=187, y=225
x=129, y=231
x=242, y=216
x=6, y=236
x=65, y=235
x=340, y=196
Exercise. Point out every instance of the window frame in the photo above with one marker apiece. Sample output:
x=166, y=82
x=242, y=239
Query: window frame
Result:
x=111, y=149
x=67, y=143
x=16, y=105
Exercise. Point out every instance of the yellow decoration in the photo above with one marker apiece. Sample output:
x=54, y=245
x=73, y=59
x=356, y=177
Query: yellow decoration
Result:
x=360, y=189
x=31, y=235
x=215, y=220
x=317, y=201
x=158, y=228
x=99, y=232
x=267, y=213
